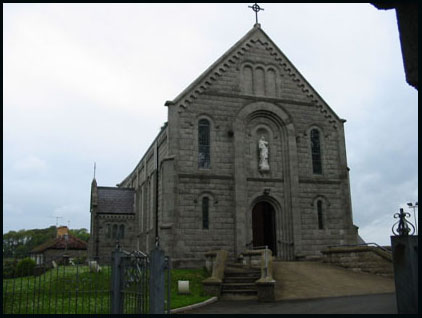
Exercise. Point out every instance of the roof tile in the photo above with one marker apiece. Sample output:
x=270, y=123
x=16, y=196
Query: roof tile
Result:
x=115, y=200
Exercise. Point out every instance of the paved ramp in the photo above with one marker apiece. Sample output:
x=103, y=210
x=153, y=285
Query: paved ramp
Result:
x=366, y=304
x=305, y=280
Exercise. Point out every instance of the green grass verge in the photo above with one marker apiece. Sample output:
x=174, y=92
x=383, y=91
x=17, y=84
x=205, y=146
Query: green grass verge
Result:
x=195, y=277
x=76, y=290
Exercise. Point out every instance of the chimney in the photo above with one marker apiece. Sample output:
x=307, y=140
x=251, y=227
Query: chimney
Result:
x=62, y=231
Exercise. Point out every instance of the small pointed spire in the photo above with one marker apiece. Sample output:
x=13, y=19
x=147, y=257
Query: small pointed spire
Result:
x=94, y=182
x=94, y=191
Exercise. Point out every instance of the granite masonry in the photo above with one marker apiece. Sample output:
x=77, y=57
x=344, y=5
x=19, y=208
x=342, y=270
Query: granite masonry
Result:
x=251, y=155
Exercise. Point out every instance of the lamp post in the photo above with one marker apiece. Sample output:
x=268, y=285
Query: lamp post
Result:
x=414, y=207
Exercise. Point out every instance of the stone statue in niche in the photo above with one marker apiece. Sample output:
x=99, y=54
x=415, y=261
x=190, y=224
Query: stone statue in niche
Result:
x=263, y=154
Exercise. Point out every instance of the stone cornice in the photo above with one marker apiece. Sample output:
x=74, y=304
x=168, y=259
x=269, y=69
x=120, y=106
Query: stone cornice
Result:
x=320, y=180
x=258, y=98
x=265, y=179
x=204, y=176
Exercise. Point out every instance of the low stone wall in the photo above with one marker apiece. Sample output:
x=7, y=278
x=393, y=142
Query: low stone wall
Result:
x=360, y=259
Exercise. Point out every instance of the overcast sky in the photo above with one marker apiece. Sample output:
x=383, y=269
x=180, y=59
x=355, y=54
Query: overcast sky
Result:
x=88, y=82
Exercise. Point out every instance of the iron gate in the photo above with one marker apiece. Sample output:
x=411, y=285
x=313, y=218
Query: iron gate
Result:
x=138, y=282
x=134, y=283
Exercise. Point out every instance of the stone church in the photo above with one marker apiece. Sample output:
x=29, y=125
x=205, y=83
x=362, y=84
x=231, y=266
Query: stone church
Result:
x=250, y=156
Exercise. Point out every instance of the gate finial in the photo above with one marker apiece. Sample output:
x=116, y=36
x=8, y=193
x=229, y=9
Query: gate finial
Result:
x=401, y=227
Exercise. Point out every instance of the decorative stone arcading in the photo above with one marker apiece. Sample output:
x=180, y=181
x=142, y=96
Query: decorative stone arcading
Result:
x=301, y=83
x=280, y=59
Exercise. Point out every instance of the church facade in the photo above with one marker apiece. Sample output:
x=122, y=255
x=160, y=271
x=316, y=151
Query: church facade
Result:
x=250, y=156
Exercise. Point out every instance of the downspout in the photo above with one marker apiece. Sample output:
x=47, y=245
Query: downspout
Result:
x=157, y=239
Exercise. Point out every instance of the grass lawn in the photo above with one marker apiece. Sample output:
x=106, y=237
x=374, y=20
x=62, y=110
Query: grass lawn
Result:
x=76, y=290
x=195, y=277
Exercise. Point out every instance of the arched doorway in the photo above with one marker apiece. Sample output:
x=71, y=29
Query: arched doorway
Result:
x=263, y=226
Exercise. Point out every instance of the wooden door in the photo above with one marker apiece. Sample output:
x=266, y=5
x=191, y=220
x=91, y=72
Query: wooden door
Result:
x=263, y=226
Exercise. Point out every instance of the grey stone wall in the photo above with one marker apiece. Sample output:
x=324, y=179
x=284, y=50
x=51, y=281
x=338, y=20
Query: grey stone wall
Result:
x=191, y=240
x=252, y=90
x=221, y=104
x=361, y=259
x=108, y=244
x=143, y=180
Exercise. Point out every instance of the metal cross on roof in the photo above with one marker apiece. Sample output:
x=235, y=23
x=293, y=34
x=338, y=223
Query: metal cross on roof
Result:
x=256, y=8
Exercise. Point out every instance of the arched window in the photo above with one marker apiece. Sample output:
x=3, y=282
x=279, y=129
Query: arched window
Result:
x=271, y=82
x=108, y=234
x=247, y=80
x=205, y=210
x=319, y=214
x=114, y=231
x=204, y=144
x=316, y=151
x=259, y=81
x=122, y=231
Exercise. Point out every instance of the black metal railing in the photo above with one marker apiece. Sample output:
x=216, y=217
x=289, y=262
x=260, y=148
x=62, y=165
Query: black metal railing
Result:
x=59, y=289
x=134, y=283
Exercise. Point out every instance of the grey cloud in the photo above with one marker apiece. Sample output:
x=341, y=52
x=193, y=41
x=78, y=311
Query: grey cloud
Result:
x=91, y=83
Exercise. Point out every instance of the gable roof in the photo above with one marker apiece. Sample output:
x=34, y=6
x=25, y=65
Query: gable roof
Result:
x=256, y=34
x=59, y=243
x=115, y=200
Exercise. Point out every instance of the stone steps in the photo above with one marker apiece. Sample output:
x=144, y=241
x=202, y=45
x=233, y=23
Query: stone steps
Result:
x=242, y=274
x=226, y=287
x=239, y=282
x=241, y=279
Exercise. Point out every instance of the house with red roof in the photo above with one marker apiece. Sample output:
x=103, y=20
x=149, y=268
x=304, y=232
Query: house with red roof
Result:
x=59, y=249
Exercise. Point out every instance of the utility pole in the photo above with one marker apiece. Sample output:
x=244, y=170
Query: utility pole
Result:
x=414, y=207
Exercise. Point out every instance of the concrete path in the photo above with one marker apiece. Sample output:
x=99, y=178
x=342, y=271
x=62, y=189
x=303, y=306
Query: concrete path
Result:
x=316, y=288
x=307, y=280
x=363, y=304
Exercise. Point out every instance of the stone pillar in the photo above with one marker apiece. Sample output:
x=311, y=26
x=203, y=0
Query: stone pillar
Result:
x=240, y=189
x=265, y=291
x=156, y=287
x=405, y=263
x=117, y=269
x=212, y=285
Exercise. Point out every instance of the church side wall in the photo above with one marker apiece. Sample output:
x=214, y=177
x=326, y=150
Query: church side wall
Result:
x=143, y=180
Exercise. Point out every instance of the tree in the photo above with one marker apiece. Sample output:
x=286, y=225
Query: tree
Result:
x=80, y=234
x=19, y=244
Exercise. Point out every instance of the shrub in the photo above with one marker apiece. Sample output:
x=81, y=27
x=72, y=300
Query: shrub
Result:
x=80, y=260
x=25, y=267
x=9, y=268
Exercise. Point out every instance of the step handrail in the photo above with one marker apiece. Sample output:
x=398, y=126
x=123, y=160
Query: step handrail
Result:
x=218, y=266
x=362, y=244
x=266, y=271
